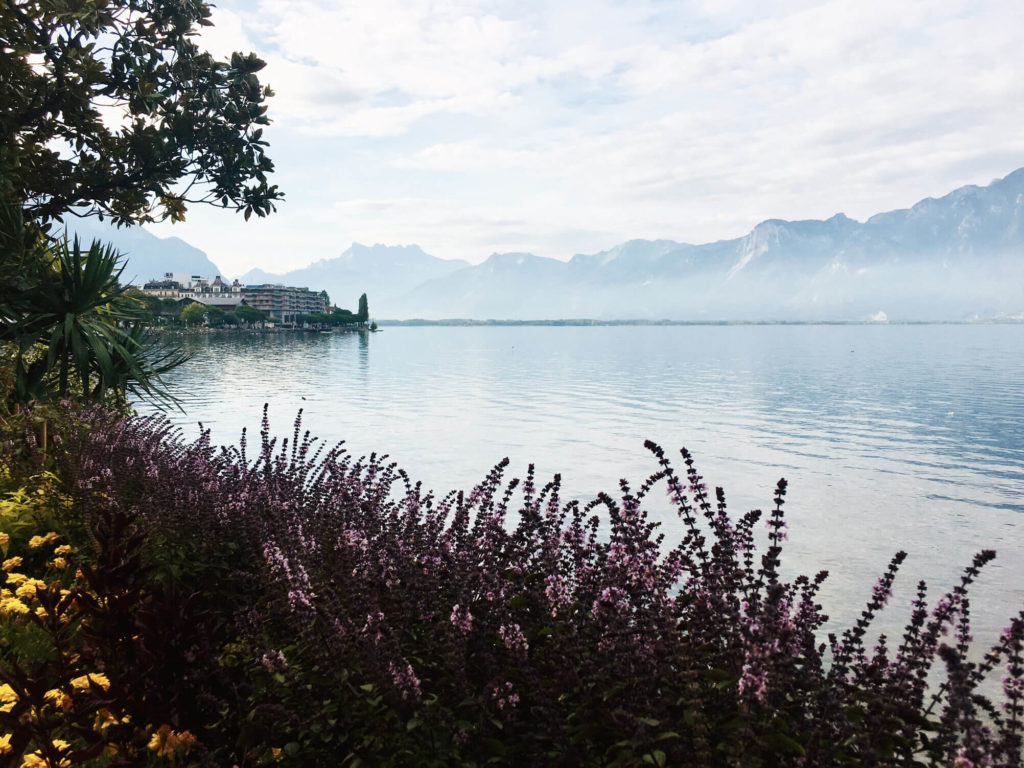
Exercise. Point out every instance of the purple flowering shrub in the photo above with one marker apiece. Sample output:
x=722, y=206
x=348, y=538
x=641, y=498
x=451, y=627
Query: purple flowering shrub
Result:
x=344, y=615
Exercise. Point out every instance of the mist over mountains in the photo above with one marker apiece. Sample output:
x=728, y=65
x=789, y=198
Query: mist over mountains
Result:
x=386, y=274
x=958, y=257
x=146, y=255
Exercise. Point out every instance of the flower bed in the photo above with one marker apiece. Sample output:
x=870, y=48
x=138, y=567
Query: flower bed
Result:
x=304, y=606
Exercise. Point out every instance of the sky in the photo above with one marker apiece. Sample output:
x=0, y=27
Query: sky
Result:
x=558, y=127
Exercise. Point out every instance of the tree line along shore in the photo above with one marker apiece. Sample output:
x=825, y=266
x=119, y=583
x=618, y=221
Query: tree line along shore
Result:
x=187, y=313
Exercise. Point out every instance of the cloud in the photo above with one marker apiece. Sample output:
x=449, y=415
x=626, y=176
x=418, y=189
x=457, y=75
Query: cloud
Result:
x=490, y=125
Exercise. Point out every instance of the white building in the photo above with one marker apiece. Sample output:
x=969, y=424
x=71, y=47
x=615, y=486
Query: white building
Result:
x=181, y=285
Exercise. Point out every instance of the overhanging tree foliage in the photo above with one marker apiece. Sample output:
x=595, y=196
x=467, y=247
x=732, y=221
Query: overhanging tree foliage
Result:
x=111, y=108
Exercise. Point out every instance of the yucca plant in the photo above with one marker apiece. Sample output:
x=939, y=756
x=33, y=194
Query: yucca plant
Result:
x=72, y=329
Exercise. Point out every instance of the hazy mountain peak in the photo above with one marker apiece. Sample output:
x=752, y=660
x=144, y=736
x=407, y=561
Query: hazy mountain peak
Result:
x=383, y=248
x=146, y=255
x=407, y=254
x=514, y=260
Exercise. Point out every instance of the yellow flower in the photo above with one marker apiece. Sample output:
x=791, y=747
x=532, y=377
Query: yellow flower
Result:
x=165, y=742
x=36, y=760
x=28, y=589
x=13, y=605
x=105, y=718
x=8, y=698
x=11, y=562
x=4, y=539
x=38, y=541
x=82, y=683
x=59, y=563
x=63, y=549
x=158, y=742
x=5, y=743
x=58, y=698
x=16, y=578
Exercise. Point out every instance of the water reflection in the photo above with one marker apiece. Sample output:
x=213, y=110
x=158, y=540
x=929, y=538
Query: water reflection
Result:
x=890, y=436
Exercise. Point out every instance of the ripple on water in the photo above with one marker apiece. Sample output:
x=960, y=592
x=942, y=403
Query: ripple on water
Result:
x=891, y=436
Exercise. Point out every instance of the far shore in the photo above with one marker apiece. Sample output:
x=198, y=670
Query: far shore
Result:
x=203, y=330
x=455, y=322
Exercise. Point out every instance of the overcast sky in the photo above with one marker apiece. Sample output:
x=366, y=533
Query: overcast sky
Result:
x=560, y=127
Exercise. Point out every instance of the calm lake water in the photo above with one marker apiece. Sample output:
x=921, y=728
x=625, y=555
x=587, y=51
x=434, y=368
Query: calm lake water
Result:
x=890, y=437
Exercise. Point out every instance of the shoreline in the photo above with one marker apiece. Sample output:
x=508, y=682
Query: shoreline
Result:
x=249, y=331
x=585, y=322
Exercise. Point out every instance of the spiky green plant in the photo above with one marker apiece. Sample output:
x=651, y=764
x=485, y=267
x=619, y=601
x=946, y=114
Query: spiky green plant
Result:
x=72, y=329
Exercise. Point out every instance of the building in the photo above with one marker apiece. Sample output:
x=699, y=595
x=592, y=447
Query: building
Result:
x=284, y=302
x=281, y=302
x=179, y=286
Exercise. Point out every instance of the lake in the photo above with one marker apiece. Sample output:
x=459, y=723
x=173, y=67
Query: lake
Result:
x=891, y=436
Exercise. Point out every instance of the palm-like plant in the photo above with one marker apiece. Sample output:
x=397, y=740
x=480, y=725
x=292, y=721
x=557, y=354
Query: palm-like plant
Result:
x=137, y=366
x=73, y=329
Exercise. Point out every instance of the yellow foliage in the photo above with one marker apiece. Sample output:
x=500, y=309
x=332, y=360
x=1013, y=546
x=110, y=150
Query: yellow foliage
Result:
x=22, y=514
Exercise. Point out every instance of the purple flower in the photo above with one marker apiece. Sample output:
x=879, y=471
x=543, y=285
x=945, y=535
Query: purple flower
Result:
x=404, y=678
x=461, y=618
x=513, y=638
x=505, y=696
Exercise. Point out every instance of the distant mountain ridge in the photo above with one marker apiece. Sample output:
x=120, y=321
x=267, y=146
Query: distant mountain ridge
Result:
x=384, y=273
x=956, y=257
x=146, y=255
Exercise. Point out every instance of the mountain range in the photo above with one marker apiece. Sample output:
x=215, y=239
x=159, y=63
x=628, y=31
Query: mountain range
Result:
x=957, y=257
x=146, y=255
